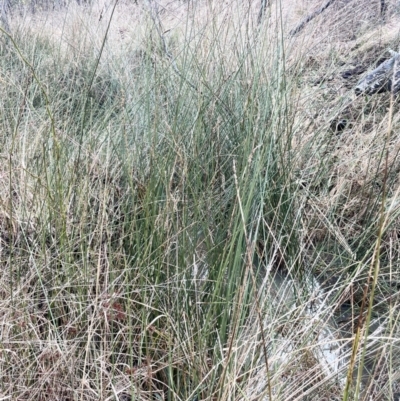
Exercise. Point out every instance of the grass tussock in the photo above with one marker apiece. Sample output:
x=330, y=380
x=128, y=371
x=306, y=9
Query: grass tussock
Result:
x=195, y=206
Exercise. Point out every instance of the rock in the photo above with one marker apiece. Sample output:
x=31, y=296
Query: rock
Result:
x=380, y=79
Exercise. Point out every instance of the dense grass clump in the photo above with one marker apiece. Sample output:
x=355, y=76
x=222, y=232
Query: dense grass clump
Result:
x=179, y=220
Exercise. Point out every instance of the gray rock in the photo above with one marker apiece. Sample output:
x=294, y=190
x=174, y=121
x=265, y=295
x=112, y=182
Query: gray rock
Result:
x=381, y=78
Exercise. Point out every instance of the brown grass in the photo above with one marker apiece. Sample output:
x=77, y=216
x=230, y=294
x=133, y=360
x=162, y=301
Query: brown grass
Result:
x=93, y=349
